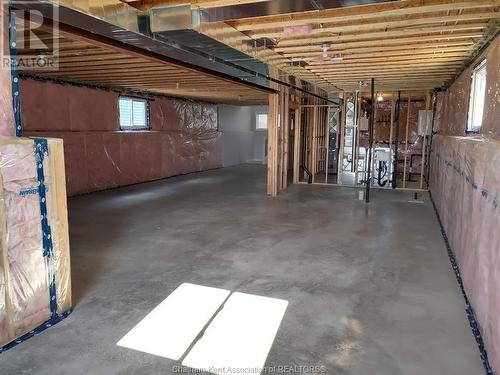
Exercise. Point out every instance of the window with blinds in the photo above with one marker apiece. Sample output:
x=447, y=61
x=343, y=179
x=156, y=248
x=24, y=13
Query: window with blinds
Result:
x=133, y=113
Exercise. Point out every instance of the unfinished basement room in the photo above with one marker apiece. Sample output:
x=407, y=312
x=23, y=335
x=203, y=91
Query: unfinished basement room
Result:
x=250, y=187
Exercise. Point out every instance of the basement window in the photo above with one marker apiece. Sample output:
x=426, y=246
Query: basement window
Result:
x=261, y=121
x=133, y=113
x=477, y=97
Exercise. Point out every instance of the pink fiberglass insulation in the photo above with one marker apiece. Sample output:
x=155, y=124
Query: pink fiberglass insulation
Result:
x=27, y=267
x=465, y=185
x=452, y=105
x=491, y=115
x=7, y=114
x=183, y=137
x=24, y=268
x=296, y=30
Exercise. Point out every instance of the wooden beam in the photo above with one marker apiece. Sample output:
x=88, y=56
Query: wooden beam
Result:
x=383, y=42
x=424, y=140
x=272, y=145
x=406, y=141
x=450, y=66
x=435, y=46
x=314, y=148
x=342, y=126
x=390, y=57
x=377, y=23
x=296, y=146
x=356, y=13
x=381, y=35
x=391, y=137
x=203, y=4
x=374, y=60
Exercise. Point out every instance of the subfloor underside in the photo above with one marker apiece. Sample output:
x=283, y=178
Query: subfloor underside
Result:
x=370, y=287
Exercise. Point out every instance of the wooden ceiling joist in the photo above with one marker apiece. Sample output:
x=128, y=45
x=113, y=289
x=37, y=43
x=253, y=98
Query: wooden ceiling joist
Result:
x=386, y=23
x=84, y=61
x=382, y=42
x=427, y=32
x=410, y=44
x=356, y=13
x=147, y=4
x=407, y=43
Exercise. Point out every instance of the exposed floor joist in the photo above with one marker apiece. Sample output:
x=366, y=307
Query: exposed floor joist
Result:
x=85, y=62
x=433, y=38
x=146, y=4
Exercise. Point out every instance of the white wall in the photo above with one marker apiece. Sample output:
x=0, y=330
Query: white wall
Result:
x=241, y=143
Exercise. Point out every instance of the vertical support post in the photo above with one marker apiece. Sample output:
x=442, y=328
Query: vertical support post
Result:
x=424, y=140
x=391, y=136
x=314, y=159
x=433, y=106
x=306, y=143
x=7, y=124
x=285, y=132
x=296, y=146
x=280, y=140
x=272, y=145
x=396, y=144
x=342, y=118
x=356, y=137
x=370, y=141
x=375, y=112
x=406, y=140
x=327, y=142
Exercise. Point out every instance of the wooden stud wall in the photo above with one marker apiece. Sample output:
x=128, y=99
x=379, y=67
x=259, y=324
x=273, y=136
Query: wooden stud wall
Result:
x=273, y=144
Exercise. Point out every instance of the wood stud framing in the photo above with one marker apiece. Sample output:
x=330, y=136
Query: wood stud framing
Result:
x=404, y=45
x=273, y=143
x=406, y=141
x=296, y=146
x=424, y=139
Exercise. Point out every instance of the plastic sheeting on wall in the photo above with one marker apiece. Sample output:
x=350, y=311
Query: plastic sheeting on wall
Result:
x=6, y=115
x=183, y=138
x=465, y=185
x=453, y=105
x=35, y=285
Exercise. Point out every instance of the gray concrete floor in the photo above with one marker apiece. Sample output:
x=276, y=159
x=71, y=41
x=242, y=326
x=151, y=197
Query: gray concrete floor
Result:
x=370, y=287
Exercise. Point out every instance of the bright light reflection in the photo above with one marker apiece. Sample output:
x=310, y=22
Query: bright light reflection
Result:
x=240, y=336
x=171, y=327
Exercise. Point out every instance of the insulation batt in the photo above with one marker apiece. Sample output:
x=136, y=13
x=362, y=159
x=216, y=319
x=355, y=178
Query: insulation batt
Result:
x=183, y=138
x=24, y=270
x=465, y=185
x=6, y=115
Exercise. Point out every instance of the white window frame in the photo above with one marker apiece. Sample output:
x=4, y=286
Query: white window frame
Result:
x=133, y=100
x=257, y=128
x=474, y=97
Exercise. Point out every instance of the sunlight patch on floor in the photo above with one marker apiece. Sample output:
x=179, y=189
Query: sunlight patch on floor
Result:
x=210, y=331
x=240, y=336
x=171, y=327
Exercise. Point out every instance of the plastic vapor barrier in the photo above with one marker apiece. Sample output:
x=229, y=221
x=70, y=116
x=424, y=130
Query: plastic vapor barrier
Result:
x=183, y=137
x=465, y=186
x=35, y=286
